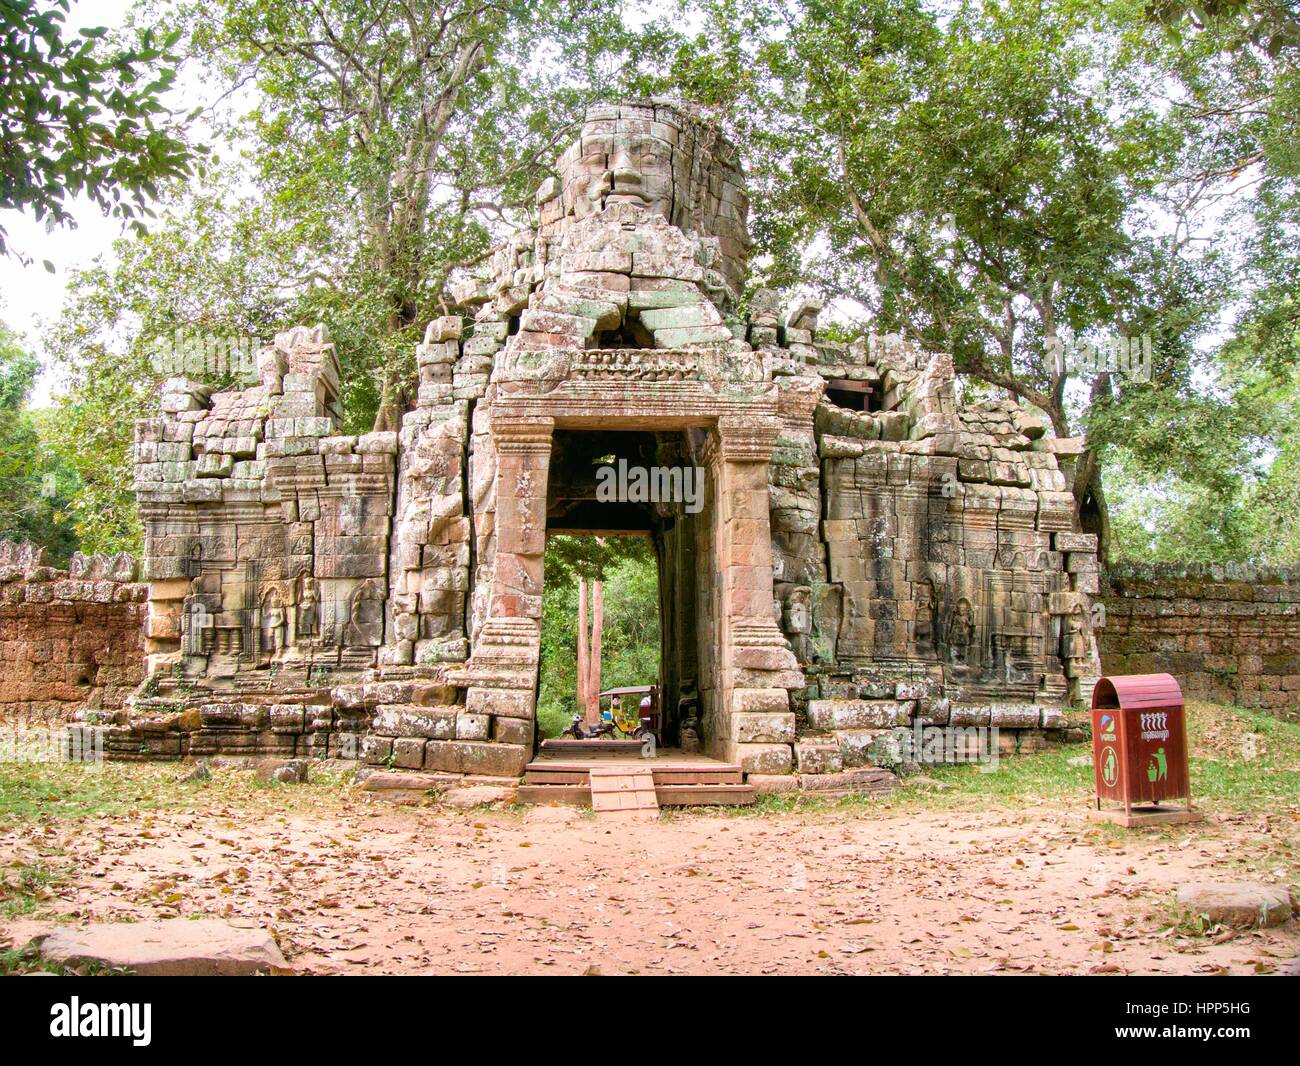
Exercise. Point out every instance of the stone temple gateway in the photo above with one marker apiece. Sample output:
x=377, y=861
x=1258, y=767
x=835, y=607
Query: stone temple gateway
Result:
x=868, y=552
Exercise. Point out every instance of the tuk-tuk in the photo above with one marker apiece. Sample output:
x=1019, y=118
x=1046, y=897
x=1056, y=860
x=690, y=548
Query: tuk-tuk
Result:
x=631, y=712
x=630, y=708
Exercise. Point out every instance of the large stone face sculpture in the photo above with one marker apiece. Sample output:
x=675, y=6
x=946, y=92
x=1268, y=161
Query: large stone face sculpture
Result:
x=866, y=552
x=658, y=157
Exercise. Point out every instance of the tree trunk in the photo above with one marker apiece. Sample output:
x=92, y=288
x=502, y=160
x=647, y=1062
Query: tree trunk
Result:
x=584, y=704
x=597, y=632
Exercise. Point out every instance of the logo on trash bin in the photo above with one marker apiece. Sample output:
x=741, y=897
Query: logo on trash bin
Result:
x=1158, y=767
x=1155, y=726
x=1110, y=767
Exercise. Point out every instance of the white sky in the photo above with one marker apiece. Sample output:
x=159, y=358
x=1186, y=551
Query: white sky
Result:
x=30, y=296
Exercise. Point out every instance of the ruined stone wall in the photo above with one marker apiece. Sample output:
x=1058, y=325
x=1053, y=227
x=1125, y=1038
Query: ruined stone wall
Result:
x=69, y=639
x=854, y=568
x=1229, y=633
x=927, y=563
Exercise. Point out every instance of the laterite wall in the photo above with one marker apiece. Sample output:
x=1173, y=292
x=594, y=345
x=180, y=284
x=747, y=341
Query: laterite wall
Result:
x=68, y=638
x=1229, y=633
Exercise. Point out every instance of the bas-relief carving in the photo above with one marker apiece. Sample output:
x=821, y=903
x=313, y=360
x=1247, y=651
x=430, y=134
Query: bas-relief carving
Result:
x=797, y=622
x=273, y=623
x=366, y=616
x=308, y=608
x=662, y=159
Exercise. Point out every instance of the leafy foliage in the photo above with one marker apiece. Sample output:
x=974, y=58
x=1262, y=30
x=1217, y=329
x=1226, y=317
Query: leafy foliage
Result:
x=34, y=486
x=631, y=634
x=78, y=116
x=201, y=274
x=387, y=148
x=993, y=178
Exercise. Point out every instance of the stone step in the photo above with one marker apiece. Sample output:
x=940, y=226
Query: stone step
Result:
x=557, y=773
x=668, y=795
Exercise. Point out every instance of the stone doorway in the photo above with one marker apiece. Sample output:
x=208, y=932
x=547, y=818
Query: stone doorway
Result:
x=716, y=560
x=651, y=485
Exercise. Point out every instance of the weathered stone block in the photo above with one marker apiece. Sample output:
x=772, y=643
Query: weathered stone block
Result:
x=859, y=714
x=476, y=757
x=1245, y=904
x=473, y=726
x=767, y=727
x=813, y=757
x=764, y=758
x=408, y=753
x=501, y=702
x=404, y=720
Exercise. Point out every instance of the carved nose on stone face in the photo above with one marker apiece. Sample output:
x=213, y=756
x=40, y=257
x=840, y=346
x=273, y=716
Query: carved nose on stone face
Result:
x=622, y=178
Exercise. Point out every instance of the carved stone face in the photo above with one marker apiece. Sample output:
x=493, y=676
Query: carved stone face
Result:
x=657, y=157
x=626, y=167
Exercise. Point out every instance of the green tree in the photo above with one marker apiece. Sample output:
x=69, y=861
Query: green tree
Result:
x=982, y=178
x=393, y=142
x=81, y=116
x=34, y=485
x=206, y=273
x=631, y=633
x=1222, y=484
x=388, y=146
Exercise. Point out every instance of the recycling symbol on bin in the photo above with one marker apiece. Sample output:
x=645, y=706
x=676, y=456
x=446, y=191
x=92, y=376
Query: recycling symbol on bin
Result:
x=1109, y=767
x=1158, y=768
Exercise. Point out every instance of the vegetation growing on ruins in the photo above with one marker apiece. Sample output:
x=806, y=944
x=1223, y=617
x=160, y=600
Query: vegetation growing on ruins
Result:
x=1007, y=182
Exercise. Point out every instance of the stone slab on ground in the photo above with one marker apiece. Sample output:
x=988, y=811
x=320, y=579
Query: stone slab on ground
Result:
x=408, y=789
x=1246, y=904
x=286, y=771
x=177, y=947
x=825, y=786
x=764, y=784
x=477, y=796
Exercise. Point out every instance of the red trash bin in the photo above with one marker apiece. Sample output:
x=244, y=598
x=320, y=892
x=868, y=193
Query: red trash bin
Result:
x=1139, y=740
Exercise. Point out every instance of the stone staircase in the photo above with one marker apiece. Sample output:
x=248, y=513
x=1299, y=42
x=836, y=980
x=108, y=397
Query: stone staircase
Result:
x=560, y=780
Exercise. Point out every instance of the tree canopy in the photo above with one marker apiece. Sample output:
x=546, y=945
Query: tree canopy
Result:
x=1010, y=182
x=81, y=115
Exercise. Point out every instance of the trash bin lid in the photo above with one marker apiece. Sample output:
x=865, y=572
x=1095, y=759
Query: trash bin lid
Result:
x=1132, y=691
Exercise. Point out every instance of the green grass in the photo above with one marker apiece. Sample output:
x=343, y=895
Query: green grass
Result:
x=1223, y=777
x=37, y=791
x=1240, y=760
x=27, y=960
x=24, y=887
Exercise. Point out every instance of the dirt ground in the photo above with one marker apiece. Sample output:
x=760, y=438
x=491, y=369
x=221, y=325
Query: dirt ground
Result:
x=376, y=888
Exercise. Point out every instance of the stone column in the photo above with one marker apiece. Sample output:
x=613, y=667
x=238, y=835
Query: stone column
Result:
x=501, y=675
x=753, y=723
